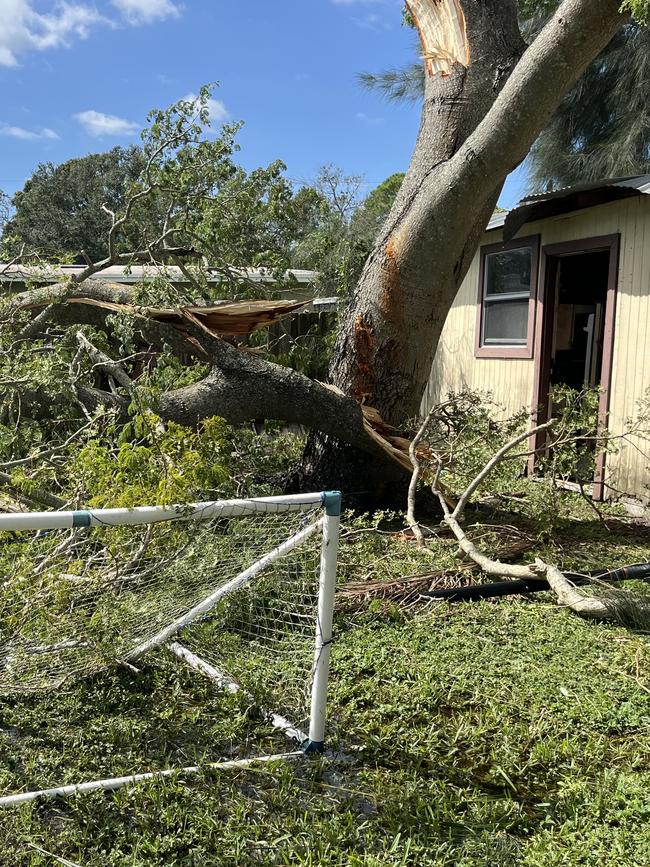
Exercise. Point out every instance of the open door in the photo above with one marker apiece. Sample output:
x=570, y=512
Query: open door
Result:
x=574, y=341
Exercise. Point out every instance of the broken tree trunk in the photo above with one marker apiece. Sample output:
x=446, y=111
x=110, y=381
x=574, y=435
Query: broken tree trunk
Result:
x=486, y=99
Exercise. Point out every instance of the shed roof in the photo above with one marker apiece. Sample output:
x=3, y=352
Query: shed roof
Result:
x=573, y=198
x=48, y=273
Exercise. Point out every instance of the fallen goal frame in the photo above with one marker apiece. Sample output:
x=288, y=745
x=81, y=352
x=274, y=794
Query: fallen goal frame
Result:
x=328, y=525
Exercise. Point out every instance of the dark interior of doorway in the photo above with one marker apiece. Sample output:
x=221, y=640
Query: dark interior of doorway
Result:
x=581, y=282
x=581, y=294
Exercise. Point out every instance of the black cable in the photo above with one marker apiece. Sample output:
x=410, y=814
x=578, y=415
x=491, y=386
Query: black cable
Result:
x=475, y=592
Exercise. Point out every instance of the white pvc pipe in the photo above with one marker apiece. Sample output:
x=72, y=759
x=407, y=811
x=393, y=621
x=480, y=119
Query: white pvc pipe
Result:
x=326, y=591
x=218, y=677
x=224, y=682
x=234, y=584
x=153, y=514
x=112, y=783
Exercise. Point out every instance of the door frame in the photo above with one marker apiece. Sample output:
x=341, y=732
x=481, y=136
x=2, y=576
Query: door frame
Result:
x=550, y=258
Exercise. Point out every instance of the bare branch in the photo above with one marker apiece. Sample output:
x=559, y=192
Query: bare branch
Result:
x=413, y=485
x=35, y=325
x=417, y=470
x=104, y=362
x=494, y=462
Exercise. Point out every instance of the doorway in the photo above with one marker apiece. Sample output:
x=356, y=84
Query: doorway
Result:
x=574, y=341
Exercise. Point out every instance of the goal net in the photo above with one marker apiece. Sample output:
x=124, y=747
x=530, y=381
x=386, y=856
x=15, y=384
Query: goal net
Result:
x=241, y=590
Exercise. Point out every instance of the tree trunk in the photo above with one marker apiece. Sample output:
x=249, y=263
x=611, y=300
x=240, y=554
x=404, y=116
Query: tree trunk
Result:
x=478, y=123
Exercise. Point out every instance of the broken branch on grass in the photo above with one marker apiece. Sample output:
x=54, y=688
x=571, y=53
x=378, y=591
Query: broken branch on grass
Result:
x=567, y=593
x=500, y=456
x=415, y=477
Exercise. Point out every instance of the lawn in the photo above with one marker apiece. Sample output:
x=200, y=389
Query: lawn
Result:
x=500, y=733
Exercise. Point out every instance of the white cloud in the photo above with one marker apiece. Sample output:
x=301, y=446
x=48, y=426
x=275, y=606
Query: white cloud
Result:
x=24, y=29
x=27, y=134
x=217, y=111
x=97, y=124
x=146, y=11
x=372, y=21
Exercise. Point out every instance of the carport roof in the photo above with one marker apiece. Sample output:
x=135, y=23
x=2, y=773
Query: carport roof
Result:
x=574, y=198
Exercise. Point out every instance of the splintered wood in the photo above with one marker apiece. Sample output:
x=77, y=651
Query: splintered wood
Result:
x=443, y=35
x=223, y=318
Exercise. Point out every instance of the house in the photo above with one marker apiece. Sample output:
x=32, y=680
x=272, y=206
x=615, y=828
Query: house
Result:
x=299, y=283
x=287, y=307
x=559, y=292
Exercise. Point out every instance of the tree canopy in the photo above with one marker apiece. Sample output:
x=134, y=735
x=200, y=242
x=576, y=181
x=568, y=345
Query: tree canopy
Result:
x=180, y=198
x=340, y=227
x=59, y=210
x=70, y=346
x=639, y=8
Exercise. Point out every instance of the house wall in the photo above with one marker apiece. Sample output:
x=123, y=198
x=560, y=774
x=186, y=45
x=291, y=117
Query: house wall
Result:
x=510, y=380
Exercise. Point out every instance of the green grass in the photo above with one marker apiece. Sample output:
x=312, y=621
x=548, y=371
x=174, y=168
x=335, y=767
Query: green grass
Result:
x=508, y=733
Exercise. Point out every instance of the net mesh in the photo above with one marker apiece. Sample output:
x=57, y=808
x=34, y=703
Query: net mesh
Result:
x=74, y=602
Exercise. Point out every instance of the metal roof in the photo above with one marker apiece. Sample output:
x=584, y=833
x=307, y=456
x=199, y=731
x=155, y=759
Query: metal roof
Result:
x=47, y=273
x=574, y=198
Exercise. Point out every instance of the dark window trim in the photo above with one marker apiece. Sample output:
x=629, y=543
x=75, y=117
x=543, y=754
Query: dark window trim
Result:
x=508, y=350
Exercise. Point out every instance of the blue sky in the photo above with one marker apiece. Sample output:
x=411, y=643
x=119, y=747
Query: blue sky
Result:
x=80, y=76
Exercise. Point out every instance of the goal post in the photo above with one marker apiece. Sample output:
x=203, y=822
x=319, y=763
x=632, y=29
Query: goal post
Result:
x=324, y=621
x=206, y=594
x=134, y=515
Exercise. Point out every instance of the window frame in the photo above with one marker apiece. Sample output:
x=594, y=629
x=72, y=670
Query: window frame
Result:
x=508, y=350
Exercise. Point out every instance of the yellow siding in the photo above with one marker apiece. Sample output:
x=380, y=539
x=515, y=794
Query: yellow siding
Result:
x=510, y=381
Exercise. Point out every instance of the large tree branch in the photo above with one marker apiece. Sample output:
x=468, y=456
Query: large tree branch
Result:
x=457, y=192
x=59, y=302
x=58, y=293
x=240, y=387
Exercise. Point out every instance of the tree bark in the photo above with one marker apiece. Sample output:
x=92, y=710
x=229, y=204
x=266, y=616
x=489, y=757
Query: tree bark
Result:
x=389, y=333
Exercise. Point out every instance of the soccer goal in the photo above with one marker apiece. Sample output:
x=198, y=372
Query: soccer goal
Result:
x=241, y=591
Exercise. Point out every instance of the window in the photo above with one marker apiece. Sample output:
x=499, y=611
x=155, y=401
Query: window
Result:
x=507, y=295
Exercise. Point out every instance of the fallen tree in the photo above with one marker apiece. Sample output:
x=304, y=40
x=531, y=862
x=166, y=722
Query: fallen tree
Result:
x=487, y=97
